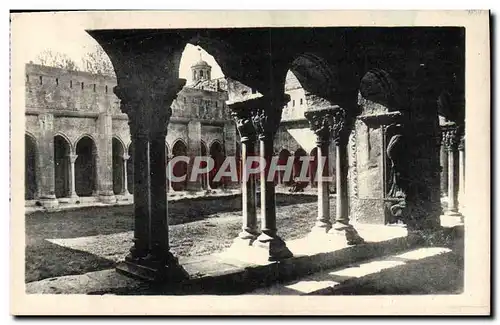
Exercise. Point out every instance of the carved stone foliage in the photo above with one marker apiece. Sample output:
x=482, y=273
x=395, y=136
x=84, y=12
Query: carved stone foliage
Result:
x=327, y=123
x=451, y=137
x=243, y=118
x=266, y=115
x=148, y=107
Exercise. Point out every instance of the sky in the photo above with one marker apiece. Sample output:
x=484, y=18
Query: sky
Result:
x=73, y=41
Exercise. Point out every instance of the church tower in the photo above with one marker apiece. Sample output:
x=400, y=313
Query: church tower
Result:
x=201, y=70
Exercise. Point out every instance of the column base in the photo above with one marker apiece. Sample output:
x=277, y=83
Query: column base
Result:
x=321, y=227
x=107, y=198
x=453, y=213
x=347, y=230
x=274, y=247
x=150, y=270
x=49, y=202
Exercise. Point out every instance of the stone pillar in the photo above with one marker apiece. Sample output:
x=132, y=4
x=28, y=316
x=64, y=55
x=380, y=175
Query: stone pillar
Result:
x=230, y=139
x=105, y=162
x=342, y=205
x=170, y=188
x=461, y=171
x=72, y=191
x=95, y=175
x=194, y=150
x=324, y=123
x=266, y=116
x=242, y=115
x=46, y=161
x=444, y=169
x=451, y=140
x=125, y=158
x=148, y=109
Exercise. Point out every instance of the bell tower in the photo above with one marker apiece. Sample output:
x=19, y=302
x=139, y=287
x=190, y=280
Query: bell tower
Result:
x=201, y=70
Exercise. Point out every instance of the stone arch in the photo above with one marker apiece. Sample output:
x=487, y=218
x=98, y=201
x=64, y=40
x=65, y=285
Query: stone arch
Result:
x=84, y=135
x=62, y=150
x=379, y=87
x=30, y=167
x=118, y=151
x=221, y=51
x=180, y=169
x=85, y=166
x=216, y=152
x=67, y=139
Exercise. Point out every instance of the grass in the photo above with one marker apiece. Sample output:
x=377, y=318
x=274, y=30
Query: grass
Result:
x=197, y=227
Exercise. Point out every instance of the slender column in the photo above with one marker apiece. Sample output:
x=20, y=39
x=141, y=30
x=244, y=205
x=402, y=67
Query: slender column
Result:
x=451, y=140
x=96, y=181
x=324, y=122
x=105, y=162
x=266, y=117
x=170, y=187
x=444, y=169
x=242, y=116
x=72, y=191
x=461, y=168
x=125, y=158
x=342, y=209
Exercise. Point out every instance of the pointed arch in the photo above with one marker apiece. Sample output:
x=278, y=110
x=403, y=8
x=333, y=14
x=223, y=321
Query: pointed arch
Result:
x=30, y=167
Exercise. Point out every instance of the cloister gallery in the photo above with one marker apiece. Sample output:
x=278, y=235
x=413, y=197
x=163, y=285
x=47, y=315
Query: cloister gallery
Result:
x=384, y=107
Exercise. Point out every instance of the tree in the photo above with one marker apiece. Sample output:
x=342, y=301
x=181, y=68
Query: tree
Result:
x=98, y=62
x=57, y=60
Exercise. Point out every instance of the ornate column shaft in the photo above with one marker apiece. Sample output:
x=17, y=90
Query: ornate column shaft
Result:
x=326, y=123
x=451, y=140
x=72, y=160
x=266, y=118
x=242, y=115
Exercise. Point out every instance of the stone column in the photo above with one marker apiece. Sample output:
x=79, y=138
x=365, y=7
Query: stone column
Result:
x=95, y=175
x=461, y=171
x=170, y=188
x=266, y=116
x=125, y=158
x=105, y=163
x=444, y=169
x=194, y=150
x=324, y=123
x=451, y=140
x=148, y=108
x=72, y=191
x=46, y=161
x=242, y=115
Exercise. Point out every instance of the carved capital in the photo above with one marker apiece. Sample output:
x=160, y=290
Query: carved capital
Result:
x=461, y=143
x=450, y=137
x=243, y=118
x=148, y=105
x=327, y=123
x=266, y=115
x=72, y=158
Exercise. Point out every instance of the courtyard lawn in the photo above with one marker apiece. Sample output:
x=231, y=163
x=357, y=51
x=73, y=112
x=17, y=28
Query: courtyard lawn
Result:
x=197, y=227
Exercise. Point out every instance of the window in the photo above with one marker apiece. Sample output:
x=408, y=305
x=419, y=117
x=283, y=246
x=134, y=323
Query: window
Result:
x=106, y=89
x=94, y=88
x=57, y=81
x=293, y=103
x=301, y=101
x=71, y=84
x=201, y=73
x=41, y=80
x=27, y=78
x=254, y=91
x=185, y=100
x=83, y=85
x=216, y=103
